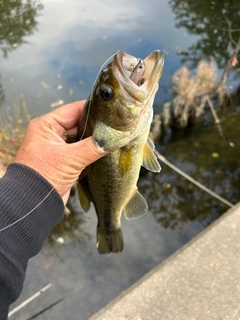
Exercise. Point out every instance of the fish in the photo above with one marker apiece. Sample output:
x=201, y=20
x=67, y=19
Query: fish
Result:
x=118, y=114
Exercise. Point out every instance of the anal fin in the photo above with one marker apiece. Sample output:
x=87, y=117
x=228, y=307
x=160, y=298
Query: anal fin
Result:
x=136, y=207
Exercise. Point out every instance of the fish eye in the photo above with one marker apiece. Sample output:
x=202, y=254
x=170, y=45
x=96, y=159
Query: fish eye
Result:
x=106, y=93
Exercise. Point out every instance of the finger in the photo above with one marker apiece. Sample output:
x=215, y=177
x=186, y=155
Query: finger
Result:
x=69, y=110
x=72, y=132
x=65, y=197
x=87, y=151
x=65, y=117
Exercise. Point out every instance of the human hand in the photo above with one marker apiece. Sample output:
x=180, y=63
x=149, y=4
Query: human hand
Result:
x=45, y=150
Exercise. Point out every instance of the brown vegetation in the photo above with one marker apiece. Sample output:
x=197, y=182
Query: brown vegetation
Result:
x=193, y=91
x=12, y=128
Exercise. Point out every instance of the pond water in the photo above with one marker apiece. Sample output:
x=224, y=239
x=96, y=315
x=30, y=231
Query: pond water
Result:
x=50, y=53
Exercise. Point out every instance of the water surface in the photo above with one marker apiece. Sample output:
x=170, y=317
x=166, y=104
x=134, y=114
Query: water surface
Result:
x=51, y=53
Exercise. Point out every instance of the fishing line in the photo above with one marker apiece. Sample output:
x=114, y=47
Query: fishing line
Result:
x=27, y=214
x=68, y=165
x=91, y=94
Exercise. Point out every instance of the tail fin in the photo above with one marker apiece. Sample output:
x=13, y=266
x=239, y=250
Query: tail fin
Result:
x=109, y=242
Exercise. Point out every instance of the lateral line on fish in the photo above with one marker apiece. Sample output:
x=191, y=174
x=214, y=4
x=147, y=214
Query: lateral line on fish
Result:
x=54, y=187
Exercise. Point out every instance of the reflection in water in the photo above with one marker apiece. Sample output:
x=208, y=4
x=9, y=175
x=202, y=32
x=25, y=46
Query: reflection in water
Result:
x=203, y=154
x=72, y=228
x=72, y=43
x=217, y=24
x=2, y=96
x=17, y=20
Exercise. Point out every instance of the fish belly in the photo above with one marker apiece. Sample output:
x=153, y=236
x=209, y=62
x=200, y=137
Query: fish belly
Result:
x=112, y=181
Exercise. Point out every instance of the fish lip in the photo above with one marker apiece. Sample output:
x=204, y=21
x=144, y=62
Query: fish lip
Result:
x=153, y=68
x=125, y=64
x=119, y=60
x=154, y=64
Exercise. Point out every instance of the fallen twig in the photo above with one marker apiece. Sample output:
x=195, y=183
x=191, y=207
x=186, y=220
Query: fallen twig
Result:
x=45, y=309
x=22, y=305
x=214, y=113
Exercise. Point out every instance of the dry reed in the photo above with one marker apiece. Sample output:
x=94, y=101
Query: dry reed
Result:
x=13, y=122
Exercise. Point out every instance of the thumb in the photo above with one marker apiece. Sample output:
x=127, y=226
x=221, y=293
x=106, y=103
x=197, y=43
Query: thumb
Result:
x=87, y=151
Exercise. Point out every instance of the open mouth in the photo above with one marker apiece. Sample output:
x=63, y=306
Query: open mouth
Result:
x=140, y=71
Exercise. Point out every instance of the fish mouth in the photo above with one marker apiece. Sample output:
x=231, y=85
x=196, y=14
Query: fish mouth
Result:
x=140, y=77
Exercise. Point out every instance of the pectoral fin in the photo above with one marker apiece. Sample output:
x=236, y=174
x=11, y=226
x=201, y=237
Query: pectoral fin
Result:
x=84, y=197
x=136, y=207
x=151, y=144
x=125, y=160
x=108, y=138
x=150, y=161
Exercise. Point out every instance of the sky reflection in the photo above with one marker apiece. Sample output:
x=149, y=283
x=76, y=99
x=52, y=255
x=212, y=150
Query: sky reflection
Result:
x=70, y=46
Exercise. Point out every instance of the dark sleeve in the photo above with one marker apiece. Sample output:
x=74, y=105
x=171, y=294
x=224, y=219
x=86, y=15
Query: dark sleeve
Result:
x=29, y=208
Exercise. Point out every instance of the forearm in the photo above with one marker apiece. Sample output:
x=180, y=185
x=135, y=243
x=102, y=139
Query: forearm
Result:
x=29, y=208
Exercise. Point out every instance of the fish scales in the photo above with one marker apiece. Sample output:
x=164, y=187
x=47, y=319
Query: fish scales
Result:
x=115, y=185
x=118, y=115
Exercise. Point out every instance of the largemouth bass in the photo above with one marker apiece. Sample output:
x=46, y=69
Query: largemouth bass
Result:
x=118, y=114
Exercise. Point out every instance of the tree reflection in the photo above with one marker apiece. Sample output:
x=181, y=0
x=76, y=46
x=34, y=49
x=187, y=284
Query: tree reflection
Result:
x=71, y=228
x=206, y=157
x=17, y=20
x=217, y=24
x=178, y=201
x=2, y=96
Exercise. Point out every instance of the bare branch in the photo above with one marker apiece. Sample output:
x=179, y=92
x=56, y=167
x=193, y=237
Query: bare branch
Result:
x=198, y=184
x=22, y=305
x=230, y=32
